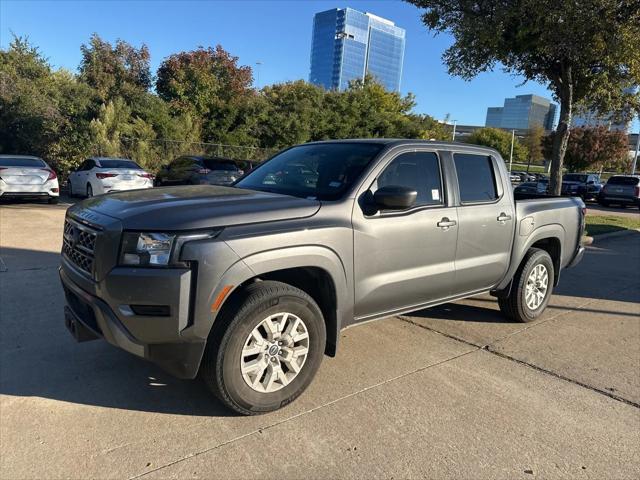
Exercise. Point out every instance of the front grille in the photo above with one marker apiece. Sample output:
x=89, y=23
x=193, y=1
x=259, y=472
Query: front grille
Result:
x=78, y=245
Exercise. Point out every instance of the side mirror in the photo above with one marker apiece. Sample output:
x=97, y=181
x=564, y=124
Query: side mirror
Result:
x=395, y=197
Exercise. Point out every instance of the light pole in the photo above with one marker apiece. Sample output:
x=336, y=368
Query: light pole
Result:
x=453, y=137
x=258, y=65
x=513, y=138
x=635, y=157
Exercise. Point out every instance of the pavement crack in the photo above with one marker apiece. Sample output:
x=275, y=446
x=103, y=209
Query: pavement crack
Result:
x=562, y=377
x=303, y=413
x=489, y=348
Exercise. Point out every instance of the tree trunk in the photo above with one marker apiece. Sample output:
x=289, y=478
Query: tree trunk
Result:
x=561, y=138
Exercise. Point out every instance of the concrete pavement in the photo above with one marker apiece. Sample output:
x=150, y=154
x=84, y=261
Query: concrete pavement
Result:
x=450, y=392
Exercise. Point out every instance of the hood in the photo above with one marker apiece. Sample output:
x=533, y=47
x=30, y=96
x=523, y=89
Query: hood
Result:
x=196, y=207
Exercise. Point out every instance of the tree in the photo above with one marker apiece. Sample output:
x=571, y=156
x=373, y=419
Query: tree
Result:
x=293, y=113
x=533, y=144
x=122, y=70
x=500, y=140
x=585, y=51
x=42, y=112
x=202, y=79
x=594, y=149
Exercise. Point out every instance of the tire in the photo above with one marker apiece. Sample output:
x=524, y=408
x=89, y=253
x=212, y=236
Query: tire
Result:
x=604, y=203
x=71, y=194
x=89, y=190
x=515, y=305
x=223, y=357
x=53, y=201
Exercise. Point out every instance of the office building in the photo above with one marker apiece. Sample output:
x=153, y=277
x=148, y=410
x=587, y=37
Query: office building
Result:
x=347, y=44
x=522, y=113
x=591, y=118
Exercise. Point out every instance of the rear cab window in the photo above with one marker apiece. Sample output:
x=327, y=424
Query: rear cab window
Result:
x=476, y=178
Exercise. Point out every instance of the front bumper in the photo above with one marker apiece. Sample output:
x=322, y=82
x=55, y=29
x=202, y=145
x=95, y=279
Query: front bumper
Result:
x=155, y=338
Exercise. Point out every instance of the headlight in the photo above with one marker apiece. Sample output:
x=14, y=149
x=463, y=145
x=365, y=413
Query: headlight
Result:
x=146, y=249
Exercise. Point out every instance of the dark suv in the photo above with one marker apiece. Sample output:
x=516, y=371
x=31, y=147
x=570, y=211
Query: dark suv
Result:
x=583, y=185
x=197, y=170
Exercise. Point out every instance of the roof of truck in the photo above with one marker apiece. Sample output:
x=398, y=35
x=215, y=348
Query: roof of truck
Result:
x=409, y=141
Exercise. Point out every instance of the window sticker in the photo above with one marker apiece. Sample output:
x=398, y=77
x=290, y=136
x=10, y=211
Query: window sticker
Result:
x=335, y=184
x=435, y=194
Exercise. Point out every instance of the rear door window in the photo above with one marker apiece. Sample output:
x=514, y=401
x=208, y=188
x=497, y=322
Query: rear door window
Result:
x=419, y=171
x=476, y=178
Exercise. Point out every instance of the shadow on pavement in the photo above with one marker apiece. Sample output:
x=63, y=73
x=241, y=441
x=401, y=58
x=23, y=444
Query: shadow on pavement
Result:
x=40, y=358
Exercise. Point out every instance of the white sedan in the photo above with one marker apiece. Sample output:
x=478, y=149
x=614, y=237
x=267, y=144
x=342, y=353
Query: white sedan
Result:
x=26, y=176
x=98, y=175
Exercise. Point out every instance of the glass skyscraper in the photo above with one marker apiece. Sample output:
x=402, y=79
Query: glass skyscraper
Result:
x=347, y=44
x=522, y=112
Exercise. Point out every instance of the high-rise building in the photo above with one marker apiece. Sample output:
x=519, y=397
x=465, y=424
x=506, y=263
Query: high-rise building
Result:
x=591, y=118
x=522, y=112
x=347, y=44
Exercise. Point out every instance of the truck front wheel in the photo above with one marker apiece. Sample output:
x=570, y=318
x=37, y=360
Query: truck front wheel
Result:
x=531, y=287
x=266, y=350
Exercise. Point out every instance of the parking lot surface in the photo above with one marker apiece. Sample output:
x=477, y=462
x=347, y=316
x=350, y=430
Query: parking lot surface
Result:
x=451, y=392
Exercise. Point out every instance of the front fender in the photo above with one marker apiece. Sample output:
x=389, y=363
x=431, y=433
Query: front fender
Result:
x=244, y=269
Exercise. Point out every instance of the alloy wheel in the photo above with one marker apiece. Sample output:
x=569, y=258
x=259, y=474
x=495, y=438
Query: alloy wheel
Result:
x=275, y=352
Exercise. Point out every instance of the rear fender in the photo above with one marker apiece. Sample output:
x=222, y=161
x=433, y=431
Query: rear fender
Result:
x=520, y=247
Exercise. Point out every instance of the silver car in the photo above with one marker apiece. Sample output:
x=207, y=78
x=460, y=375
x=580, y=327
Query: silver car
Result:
x=621, y=190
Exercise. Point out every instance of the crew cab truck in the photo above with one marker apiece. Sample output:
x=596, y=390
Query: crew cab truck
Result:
x=249, y=286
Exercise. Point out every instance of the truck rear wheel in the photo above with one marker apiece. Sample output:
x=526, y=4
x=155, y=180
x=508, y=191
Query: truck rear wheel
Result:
x=531, y=287
x=266, y=350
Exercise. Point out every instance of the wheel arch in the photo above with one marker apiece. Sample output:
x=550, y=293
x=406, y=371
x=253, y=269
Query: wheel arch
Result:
x=548, y=238
x=318, y=271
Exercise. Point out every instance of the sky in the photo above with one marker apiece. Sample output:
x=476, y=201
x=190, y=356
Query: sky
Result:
x=275, y=33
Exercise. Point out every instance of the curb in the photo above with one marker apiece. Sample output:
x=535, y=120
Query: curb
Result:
x=605, y=236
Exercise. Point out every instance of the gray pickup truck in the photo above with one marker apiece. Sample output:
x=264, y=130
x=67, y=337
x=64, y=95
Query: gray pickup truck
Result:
x=249, y=286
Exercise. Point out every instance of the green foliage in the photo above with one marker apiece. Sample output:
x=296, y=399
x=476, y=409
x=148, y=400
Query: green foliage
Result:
x=587, y=52
x=594, y=149
x=533, y=144
x=501, y=141
x=202, y=96
x=202, y=80
x=120, y=70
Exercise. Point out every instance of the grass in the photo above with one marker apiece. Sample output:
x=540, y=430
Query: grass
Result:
x=599, y=224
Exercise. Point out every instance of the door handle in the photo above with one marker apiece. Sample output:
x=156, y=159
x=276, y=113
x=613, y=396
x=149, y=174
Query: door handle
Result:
x=445, y=223
x=503, y=217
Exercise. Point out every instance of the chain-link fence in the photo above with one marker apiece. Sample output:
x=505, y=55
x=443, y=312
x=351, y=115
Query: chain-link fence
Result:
x=155, y=153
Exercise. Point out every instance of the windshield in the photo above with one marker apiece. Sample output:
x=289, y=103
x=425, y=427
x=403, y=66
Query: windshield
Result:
x=321, y=171
x=219, y=165
x=119, y=164
x=623, y=181
x=574, y=177
x=21, y=162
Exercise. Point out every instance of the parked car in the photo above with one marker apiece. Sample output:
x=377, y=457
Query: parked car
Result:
x=622, y=190
x=584, y=185
x=514, y=177
x=98, y=175
x=540, y=177
x=25, y=176
x=525, y=177
x=249, y=286
x=538, y=188
x=196, y=170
